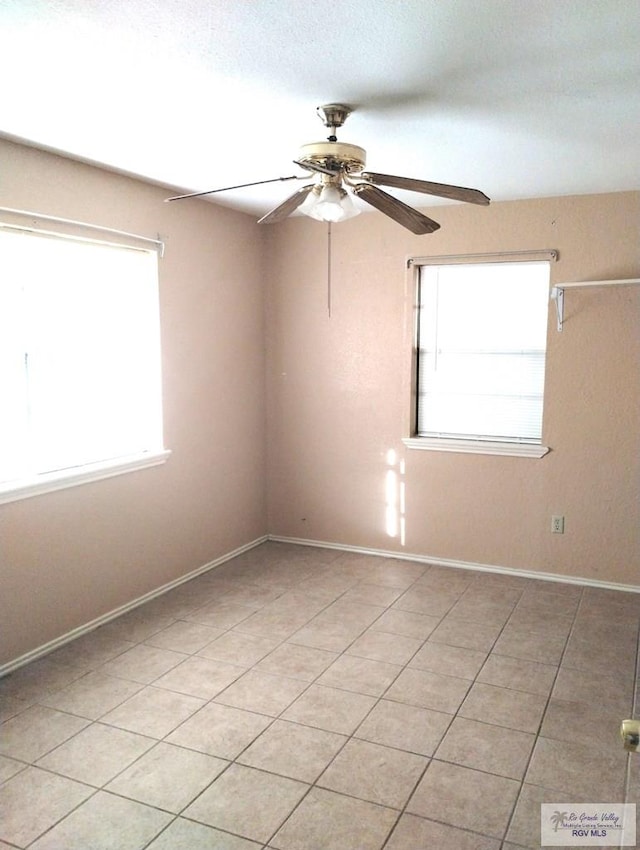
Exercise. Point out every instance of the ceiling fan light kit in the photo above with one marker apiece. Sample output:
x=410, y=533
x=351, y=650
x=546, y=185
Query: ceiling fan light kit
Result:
x=338, y=174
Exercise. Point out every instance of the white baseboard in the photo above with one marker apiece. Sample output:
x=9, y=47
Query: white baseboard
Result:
x=46, y=648
x=464, y=565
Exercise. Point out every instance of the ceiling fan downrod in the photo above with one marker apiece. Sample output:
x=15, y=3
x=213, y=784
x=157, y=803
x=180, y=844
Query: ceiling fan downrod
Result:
x=333, y=116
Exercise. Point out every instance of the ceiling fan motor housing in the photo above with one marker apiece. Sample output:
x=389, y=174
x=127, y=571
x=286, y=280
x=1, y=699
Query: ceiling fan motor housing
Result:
x=334, y=155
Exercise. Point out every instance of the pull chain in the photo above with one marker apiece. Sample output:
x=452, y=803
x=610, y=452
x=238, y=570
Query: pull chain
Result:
x=329, y=269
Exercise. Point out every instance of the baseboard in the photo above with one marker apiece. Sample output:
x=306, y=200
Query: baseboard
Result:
x=46, y=648
x=464, y=565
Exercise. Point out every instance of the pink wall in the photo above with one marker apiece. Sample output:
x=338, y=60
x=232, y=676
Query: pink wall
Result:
x=70, y=556
x=338, y=394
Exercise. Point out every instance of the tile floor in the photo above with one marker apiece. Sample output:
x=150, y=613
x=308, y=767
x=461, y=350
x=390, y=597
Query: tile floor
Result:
x=307, y=699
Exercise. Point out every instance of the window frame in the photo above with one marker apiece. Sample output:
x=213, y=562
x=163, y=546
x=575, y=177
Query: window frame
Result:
x=451, y=444
x=37, y=483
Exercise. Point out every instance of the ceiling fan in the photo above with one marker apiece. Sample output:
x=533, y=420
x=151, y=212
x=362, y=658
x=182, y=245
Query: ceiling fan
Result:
x=338, y=173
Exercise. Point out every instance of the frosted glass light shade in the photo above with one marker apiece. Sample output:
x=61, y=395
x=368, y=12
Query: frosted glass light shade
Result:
x=330, y=203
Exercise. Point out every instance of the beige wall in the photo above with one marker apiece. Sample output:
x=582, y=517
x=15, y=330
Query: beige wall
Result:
x=338, y=394
x=70, y=556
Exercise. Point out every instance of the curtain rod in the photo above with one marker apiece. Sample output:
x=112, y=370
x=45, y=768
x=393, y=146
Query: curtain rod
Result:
x=72, y=222
x=550, y=254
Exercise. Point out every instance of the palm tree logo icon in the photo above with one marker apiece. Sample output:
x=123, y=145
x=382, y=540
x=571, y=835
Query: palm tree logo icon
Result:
x=557, y=819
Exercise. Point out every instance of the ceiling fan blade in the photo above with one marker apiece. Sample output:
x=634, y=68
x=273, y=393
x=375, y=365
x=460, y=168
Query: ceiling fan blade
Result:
x=312, y=166
x=395, y=209
x=240, y=186
x=286, y=207
x=442, y=190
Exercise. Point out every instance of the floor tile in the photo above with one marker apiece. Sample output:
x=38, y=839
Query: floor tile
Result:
x=469, y=635
x=275, y=625
x=428, y=690
x=90, y=651
x=524, y=828
x=406, y=623
x=289, y=749
x=187, y=835
x=93, y=695
x=221, y=616
x=153, y=711
x=200, y=677
x=425, y=601
x=247, y=802
x=481, y=746
x=353, y=612
x=493, y=590
x=295, y=604
x=9, y=767
x=362, y=675
x=168, y=777
x=183, y=636
x=526, y=619
x=335, y=822
x=96, y=754
x=449, y=660
x=372, y=594
x=36, y=680
x=262, y=693
x=595, y=722
x=580, y=768
x=480, y=611
x=383, y=646
x=528, y=676
x=459, y=796
x=392, y=572
x=530, y=646
x=553, y=598
x=35, y=731
x=374, y=773
x=330, y=709
x=105, y=822
x=136, y=625
x=326, y=633
x=142, y=663
x=406, y=727
x=238, y=648
x=33, y=800
x=614, y=691
x=252, y=595
x=504, y=707
x=606, y=655
x=298, y=662
x=414, y=833
x=11, y=706
x=219, y=730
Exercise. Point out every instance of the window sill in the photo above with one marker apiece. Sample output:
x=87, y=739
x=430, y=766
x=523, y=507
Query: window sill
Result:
x=63, y=478
x=478, y=447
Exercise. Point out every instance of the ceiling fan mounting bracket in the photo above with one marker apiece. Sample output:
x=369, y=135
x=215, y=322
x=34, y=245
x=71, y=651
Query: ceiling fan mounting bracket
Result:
x=333, y=115
x=337, y=156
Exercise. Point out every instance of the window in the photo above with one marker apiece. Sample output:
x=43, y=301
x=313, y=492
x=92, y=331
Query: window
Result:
x=481, y=350
x=79, y=359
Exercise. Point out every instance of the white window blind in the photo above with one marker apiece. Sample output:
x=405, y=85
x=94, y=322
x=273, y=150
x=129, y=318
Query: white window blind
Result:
x=481, y=350
x=79, y=353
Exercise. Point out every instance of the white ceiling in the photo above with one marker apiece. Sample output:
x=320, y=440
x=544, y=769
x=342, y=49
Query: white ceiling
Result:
x=519, y=98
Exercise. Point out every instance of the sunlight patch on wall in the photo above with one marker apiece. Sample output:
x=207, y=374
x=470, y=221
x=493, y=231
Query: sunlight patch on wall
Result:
x=395, y=496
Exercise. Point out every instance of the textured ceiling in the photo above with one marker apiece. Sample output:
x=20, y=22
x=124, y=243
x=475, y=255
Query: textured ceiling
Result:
x=519, y=98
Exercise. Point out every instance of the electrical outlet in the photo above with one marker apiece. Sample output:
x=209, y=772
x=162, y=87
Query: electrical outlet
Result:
x=557, y=524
